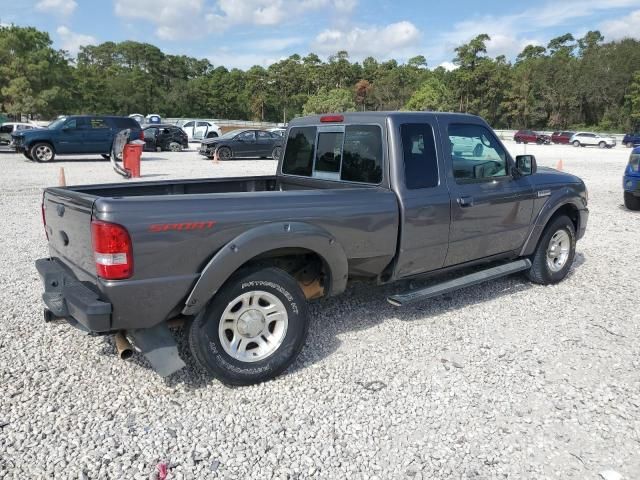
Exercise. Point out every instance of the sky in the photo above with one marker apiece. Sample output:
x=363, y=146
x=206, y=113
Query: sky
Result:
x=242, y=33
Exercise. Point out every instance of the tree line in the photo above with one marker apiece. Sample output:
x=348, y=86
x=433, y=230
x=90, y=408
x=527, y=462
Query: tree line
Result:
x=583, y=82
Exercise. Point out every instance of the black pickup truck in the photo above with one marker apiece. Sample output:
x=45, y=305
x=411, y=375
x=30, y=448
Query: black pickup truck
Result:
x=378, y=196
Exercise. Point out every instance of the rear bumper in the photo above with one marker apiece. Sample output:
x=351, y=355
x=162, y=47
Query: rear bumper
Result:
x=65, y=296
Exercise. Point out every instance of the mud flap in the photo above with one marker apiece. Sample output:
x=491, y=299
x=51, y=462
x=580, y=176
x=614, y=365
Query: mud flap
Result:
x=159, y=348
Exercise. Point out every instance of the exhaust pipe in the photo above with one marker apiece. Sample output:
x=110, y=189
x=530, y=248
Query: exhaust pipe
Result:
x=124, y=348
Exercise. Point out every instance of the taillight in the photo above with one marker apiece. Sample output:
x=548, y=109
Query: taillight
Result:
x=634, y=162
x=112, y=250
x=141, y=134
x=44, y=220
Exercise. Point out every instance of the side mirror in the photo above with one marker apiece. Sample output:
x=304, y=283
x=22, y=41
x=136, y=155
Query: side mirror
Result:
x=526, y=164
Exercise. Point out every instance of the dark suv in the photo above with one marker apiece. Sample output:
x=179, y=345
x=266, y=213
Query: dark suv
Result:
x=76, y=134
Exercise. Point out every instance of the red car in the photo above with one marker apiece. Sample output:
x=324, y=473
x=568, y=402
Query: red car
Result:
x=529, y=136
x=562, y=137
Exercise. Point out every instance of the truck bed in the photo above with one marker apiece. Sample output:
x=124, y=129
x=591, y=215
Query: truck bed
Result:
x=177, y=226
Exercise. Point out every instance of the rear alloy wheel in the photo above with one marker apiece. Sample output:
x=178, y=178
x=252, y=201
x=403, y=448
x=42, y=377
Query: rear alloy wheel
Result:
x=224, y=153
x=576, y=143
x=555, y=252
x=602, y=144
x=631, y=201
x=175, y=147
x=42, y=152
x=629, y=144
x=253, y=329
x=275, y=154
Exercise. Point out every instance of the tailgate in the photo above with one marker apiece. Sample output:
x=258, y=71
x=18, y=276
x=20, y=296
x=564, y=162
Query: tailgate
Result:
x=68, y=223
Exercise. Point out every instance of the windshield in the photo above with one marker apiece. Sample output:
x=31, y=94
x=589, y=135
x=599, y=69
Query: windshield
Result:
x=232, y=133
x=57, y=123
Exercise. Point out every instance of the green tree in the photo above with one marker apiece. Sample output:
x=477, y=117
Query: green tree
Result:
x=433, y=94
x=328, y=101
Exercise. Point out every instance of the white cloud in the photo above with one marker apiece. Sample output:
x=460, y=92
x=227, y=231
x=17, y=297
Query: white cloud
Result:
x=72, y=41
x=58, y=7
x=177, y=20
x=511, y=33
x=395, y=38
x=448, y=66
x=625, y=27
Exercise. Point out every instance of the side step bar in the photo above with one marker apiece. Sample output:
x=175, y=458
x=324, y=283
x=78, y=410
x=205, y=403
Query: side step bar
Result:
x=414, y=296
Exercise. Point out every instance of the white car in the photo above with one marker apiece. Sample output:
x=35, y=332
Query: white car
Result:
x=199, y=129
x=584, y=139
x=278, y=131
x=7, y=128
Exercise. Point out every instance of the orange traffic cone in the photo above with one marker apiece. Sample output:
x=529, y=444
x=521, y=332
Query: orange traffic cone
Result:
x=559, y=165
x=62, y=181
x=216, y=157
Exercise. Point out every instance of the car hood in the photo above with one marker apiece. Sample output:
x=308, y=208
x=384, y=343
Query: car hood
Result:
x=548, y=175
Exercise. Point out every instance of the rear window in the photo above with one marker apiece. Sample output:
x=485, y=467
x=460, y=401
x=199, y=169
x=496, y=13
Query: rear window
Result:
x=352, y=153
x=6, y=129
x=125, y=122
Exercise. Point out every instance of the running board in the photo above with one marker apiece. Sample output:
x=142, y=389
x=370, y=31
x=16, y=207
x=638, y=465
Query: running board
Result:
x=413, y=296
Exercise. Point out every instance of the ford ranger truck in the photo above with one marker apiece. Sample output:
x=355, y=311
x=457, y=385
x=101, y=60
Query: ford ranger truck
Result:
x=373, y=196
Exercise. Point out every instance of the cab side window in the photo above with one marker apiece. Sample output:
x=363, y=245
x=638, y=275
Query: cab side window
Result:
x=99, y=123
x=475, y=153
x=419, y=154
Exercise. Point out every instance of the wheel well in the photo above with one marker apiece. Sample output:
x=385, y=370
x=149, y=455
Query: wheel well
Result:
x=36, y=142
x=306, y=266
x=571, y=211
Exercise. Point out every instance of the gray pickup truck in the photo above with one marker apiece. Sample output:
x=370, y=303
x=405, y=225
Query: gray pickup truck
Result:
x=379, y=197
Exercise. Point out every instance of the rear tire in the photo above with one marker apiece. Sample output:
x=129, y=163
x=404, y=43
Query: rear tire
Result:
x=253, y=329
x=555, y=252
x=175, y=147
x=629, y=144
x=276, y=152
x=631, y=201
x=42, y=152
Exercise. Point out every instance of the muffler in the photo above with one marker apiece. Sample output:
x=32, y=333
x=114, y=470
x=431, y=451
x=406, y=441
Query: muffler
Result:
x=124, y=348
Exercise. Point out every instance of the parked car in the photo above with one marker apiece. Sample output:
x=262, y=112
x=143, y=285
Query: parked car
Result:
x=165, y=137
x=138, y=117
x=200, y=129
x=631, y=181
x=278, y=131
x=529, y=136
x=243, y=143
x=8, y=128
x=563, y=137
x=153, y=119
x=631, y=139
x=240, y=258
x=76, y=134
x=585, y=139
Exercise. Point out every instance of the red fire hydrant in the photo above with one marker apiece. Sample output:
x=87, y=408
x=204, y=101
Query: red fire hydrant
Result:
x=131, y=158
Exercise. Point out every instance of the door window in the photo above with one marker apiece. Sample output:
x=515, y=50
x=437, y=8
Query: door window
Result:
x=264, y=135
x=6, y=129
x=362, y=154
x=247, y=136
x=98, y=123
x=188, y=124
x=419, y=154
x=475, y=153
x=202, y=124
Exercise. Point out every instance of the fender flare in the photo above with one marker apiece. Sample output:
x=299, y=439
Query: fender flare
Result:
x=556, y=201
x=262, y=239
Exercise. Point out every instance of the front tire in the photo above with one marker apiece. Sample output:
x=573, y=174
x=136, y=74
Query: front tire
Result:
x=42, y=152
x=225, y=153
x=276, y=152
x=555, y=252
x=602, y=144
x=253, y=329
x=576, y=143
x=631, y=201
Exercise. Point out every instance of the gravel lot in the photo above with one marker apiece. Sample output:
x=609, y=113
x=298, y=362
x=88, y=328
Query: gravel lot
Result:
x=502, y=380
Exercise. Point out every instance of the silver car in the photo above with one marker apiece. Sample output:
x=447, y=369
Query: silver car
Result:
x=585, y=139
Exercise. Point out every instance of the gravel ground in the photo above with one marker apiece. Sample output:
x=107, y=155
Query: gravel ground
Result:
x=502, y=380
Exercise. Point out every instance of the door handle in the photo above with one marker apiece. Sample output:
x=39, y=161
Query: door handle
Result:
x=465, y=201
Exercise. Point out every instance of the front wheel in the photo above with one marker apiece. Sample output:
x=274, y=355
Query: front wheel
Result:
x=253, y=329
x=629, y=144
x=631, y=201
x=602, y=144
x=576, y=143
x=225, y=153
x=276, y=152
x=555, y=252
x=42, y=152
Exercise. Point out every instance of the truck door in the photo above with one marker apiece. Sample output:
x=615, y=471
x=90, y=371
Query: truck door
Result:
x=71, y=137
x=423, y=196
x=490, y=209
